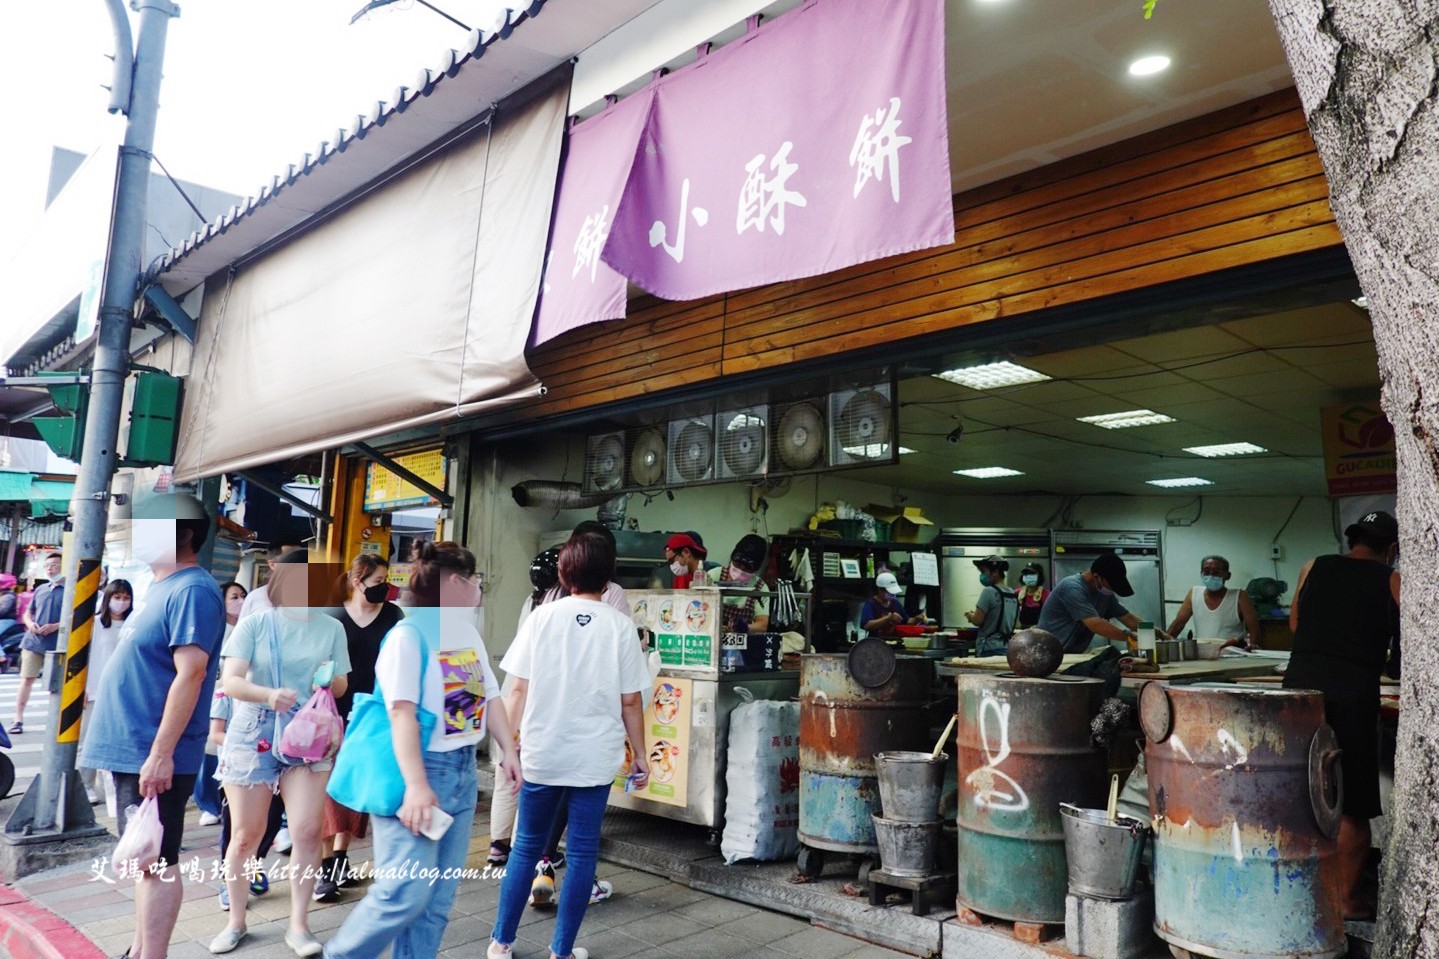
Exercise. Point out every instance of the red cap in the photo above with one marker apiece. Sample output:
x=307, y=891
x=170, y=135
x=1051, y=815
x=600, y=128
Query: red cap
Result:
x=681, y=541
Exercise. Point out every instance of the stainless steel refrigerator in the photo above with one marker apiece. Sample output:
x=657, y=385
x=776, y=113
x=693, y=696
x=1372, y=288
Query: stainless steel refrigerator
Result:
x=1075, y=549
x=959, y=547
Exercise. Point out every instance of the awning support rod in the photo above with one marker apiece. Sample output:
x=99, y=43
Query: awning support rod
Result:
x=375, y=456
x=288, y=497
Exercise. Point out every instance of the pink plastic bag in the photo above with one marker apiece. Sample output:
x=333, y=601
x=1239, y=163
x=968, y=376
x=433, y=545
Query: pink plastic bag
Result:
x=139, y=845
x=315, y=732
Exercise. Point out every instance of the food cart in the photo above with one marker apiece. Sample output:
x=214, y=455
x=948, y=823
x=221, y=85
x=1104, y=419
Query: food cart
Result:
x=686, y=721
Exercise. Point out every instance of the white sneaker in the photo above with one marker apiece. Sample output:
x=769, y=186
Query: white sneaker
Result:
x=282, y=843
x=207, y=819
x=227, y=940
x=91, y=795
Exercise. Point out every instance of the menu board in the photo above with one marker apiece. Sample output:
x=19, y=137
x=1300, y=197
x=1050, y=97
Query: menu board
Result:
x=667, y=741
x=385, y=490
x=684, y=624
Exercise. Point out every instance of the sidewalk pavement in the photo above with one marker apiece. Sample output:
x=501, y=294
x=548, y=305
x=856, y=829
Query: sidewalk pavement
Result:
x=649, y=916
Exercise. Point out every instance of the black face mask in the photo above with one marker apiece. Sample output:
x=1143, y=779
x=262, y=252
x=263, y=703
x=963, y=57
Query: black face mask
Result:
x=377, y=593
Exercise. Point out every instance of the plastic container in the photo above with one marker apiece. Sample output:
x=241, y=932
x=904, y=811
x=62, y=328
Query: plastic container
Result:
x=1145, y=634
x=1103, y=857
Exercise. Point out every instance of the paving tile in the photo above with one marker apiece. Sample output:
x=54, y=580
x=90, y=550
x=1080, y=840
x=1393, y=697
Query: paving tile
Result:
x=715, y=911
x=661, y=929
x=875, y=952
x=815, y=943
x=763, y=927
x=465, y=929
x=710, y=944
x=109, y=910
x=673, y=897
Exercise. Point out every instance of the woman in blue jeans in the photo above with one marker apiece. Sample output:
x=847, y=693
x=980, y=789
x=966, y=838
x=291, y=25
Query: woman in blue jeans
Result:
x=416, y=877
x=579, y=682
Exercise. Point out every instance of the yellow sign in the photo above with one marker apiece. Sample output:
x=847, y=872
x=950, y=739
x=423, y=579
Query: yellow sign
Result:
x=667, y=743
x=385, y=490
x=1358, y=449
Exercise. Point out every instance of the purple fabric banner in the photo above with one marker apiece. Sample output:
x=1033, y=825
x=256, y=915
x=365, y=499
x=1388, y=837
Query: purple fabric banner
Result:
x=578, y=288
x=814, y=143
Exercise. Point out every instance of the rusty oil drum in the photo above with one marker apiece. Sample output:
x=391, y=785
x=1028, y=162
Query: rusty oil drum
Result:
x=1245, y=796
x=1024, y=748
x=841, y=726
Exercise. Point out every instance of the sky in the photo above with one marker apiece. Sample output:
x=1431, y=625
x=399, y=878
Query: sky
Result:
x=250, y=86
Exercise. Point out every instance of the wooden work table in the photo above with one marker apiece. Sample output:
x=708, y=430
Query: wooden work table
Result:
x=1190, y=670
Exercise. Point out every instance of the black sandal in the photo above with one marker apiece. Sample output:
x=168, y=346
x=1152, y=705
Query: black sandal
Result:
x=499, y=852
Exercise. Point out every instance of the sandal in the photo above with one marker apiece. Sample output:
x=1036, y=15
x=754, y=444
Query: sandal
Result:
x=499, y=853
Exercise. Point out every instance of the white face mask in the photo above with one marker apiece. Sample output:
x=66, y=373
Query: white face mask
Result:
x=152, y=541
x=738, y=575
x=118, y=607
x=678, y=568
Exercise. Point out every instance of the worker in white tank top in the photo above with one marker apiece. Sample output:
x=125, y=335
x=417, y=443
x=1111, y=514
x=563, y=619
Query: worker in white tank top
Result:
x=1218, y=612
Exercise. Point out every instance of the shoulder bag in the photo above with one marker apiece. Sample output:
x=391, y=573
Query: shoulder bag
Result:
x=367, y=777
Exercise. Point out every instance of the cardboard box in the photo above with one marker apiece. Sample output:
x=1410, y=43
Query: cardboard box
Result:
x=907, y=522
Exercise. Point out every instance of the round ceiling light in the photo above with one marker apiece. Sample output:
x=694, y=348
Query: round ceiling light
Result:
x=1148, y=66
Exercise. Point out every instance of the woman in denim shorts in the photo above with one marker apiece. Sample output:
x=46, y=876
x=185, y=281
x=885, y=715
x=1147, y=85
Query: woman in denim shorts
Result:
x=270, y=663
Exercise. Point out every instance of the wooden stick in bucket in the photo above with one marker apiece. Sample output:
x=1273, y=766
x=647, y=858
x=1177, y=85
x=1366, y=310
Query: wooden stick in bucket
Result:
x=1113, y=797
x=939, y=746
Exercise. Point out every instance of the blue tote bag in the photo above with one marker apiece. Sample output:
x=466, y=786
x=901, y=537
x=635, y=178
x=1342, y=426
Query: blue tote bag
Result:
x=366, y=777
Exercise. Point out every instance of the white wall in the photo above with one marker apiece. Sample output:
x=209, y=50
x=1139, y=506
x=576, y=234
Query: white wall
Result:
x=505, y=536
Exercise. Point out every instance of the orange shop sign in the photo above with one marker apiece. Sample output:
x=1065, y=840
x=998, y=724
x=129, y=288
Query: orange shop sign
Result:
x=1358, y=449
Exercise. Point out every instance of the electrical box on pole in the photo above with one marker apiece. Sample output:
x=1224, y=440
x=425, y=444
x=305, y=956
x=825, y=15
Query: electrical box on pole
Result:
x=151, y=425
x=65, y=432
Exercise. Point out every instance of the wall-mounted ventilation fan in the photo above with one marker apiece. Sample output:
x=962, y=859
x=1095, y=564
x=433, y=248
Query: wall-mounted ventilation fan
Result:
x=691, y=450
x=647, y=458
x=799, y=436
x=743, y=442
x=862, y=426
x=604, y=462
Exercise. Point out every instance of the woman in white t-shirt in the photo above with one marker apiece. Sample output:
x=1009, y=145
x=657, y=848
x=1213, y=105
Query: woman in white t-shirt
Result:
x=115, y=605
x=579, y=682
x=434, y=659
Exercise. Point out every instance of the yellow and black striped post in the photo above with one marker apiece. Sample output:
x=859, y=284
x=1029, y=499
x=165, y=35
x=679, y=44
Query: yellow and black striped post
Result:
x=77, y=651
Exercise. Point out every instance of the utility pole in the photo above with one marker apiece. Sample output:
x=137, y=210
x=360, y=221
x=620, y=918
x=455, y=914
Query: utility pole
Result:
x=55, y=808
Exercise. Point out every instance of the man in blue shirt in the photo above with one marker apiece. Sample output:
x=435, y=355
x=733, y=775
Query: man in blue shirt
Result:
x=884, y=610
x=1083, y=604
x=42, y=623
x=145, y=727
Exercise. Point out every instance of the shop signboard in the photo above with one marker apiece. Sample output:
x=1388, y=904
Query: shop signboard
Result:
x=667, y=742
x=385, y=490
x=684, y=624
x=1358, y=449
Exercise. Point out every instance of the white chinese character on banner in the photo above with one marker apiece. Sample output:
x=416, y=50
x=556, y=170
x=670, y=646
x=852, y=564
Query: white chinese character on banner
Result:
x=872, y=149
x=659, y=232
x=765, y=198
x=593, y=233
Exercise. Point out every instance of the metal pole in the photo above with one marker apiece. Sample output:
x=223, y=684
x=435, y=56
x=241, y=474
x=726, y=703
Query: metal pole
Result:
x=55, y=803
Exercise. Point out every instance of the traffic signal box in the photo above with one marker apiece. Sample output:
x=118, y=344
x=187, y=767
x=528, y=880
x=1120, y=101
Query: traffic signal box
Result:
x=65, y=432
x=149, y=425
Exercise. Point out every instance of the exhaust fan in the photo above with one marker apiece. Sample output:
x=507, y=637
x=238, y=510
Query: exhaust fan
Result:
x=604, y=463
x=743, y=442
x=691, y=450
x=862, y=426
x=647, y=458
x=799, y=437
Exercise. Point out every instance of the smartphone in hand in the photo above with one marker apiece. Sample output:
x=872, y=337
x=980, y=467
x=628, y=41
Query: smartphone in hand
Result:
x=439, y=824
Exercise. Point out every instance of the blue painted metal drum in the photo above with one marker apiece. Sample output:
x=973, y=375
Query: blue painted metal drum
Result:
x=1245, y=794
x=841, y=726
x=1024, y=747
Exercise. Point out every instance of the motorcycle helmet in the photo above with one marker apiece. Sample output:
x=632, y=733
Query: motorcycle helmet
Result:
x=545, y=569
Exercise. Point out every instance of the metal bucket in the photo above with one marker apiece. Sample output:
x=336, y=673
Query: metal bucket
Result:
x=1024, y=748
x=908, y=848
x=842, y=725
x=1245, y=797
x=910, y=784
x=1103, y=856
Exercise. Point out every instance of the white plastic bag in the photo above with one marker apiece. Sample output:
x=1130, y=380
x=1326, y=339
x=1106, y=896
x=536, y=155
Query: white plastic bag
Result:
x=139, y=845
x=762, y=782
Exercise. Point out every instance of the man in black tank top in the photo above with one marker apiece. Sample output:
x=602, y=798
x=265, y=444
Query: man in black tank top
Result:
x=1344, y=615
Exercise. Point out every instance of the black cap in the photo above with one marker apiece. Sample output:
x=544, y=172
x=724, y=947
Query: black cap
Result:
x=1378, y=524
x=992, y=562
x=1111, y=567
x=750, y=553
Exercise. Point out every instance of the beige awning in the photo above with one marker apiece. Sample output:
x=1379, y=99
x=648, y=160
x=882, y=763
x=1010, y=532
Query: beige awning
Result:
x=410, y=307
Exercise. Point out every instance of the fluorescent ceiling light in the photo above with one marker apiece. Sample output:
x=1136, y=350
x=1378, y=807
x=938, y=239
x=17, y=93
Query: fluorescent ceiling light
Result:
x=989, y=472
x=1122, y=421
x=991, y=376
x=1179, y=482
x=1225, y=449
x=905, y=449
x=1148, y=66
x=870, y=451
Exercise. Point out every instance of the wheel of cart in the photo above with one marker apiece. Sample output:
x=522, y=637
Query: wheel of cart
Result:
x=865, y=866
x=810, y=862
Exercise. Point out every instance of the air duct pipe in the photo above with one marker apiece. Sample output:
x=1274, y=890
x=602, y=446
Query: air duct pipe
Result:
x=557, y=495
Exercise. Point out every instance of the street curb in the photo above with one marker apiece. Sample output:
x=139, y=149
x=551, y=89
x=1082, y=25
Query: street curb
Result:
x=30, y=931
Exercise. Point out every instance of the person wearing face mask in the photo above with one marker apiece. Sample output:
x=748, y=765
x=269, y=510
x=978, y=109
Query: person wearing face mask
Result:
x=997, y=610
x=686, y=560
x=367, y=616
x=1032, y=593
x=746, y=613
x=1344, y=615
x=209, y=798
x=883, y=611
x=115, y=604
x=1082, y=605
x=1218, y=612
x=42, y=620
